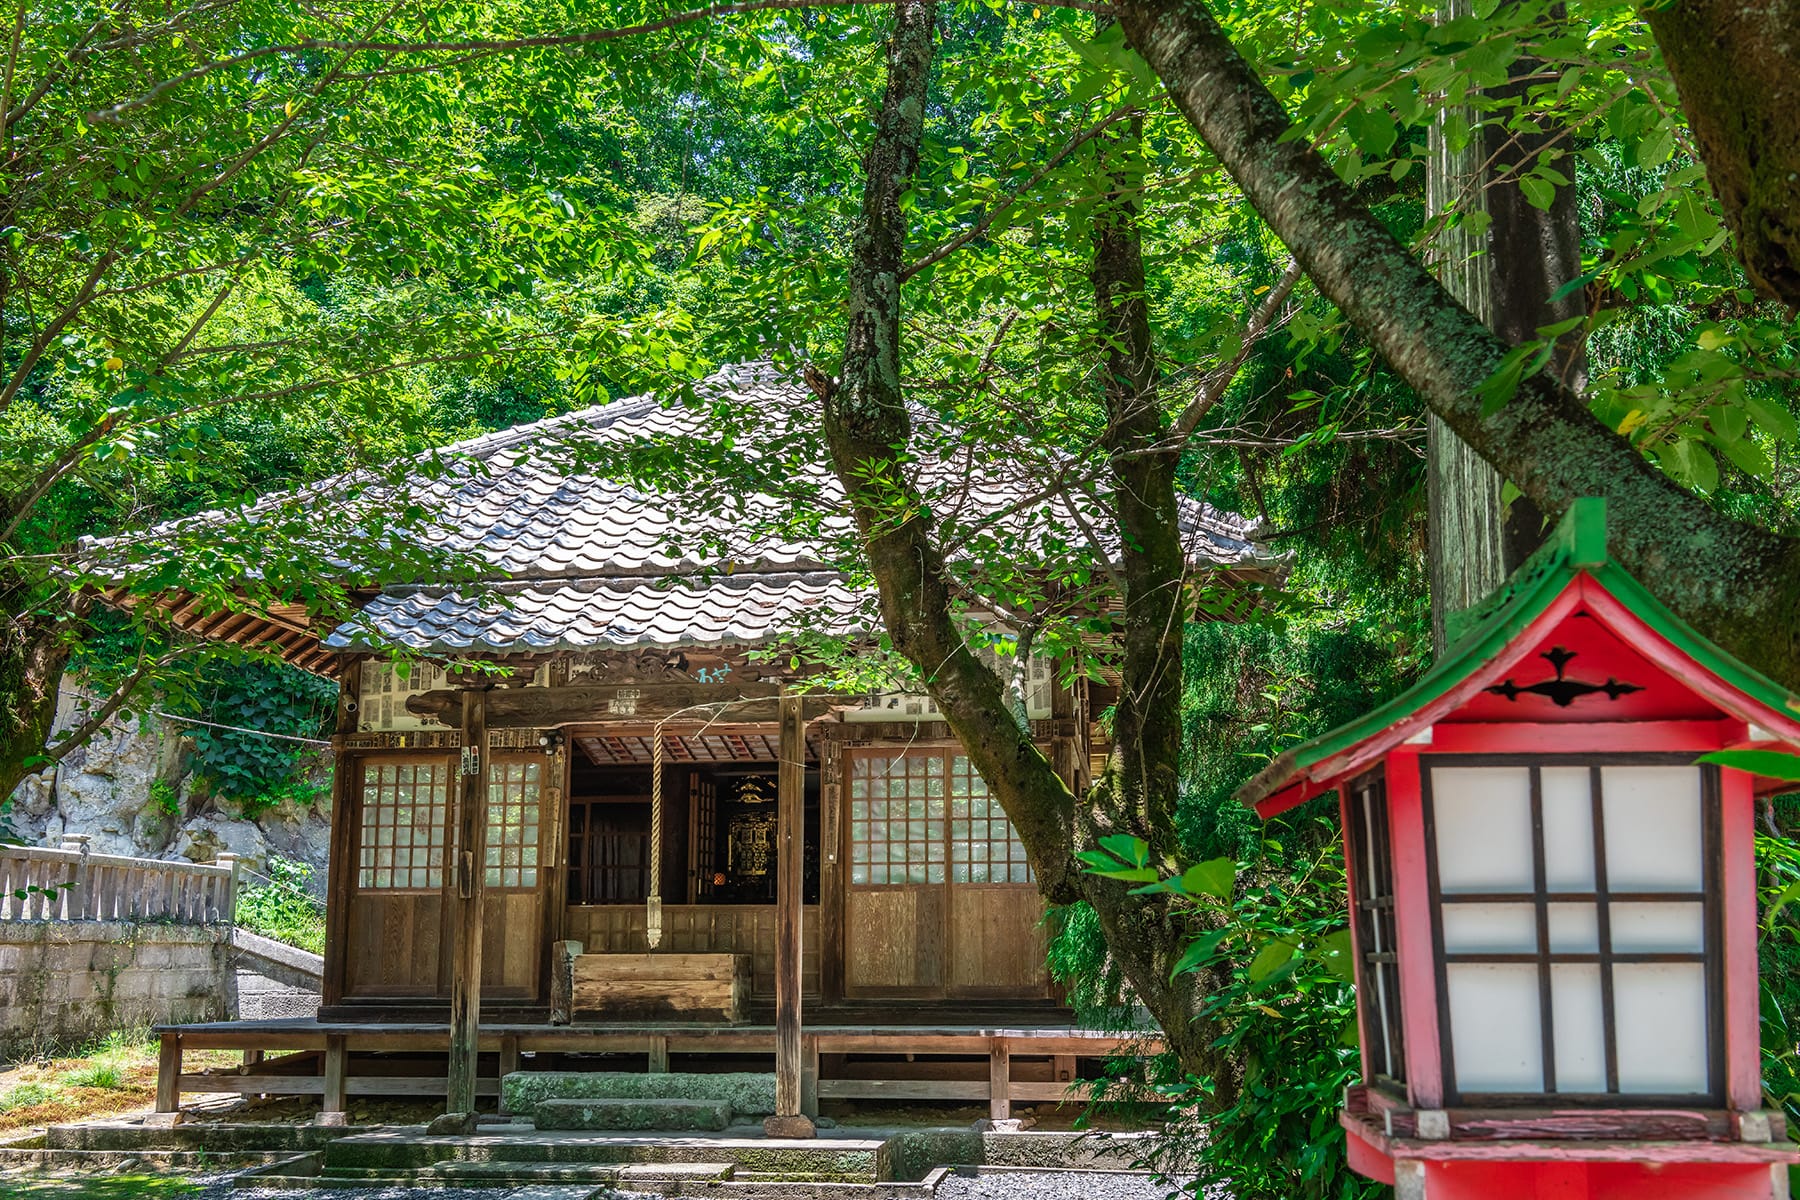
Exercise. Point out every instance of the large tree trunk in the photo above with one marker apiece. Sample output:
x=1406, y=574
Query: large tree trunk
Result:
x=1736, y=64
x=32, y=661
x=1737, y=584
x=867, y=428
x=1505, y=276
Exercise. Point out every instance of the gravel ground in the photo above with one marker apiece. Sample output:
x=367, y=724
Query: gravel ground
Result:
x=1052, y=1185
x=999, y=1185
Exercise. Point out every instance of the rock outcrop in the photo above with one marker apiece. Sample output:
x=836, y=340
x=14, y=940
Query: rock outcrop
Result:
x=131, y=791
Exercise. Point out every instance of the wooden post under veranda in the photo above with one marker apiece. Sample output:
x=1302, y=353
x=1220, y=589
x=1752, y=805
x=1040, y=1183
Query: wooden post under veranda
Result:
x=470, y=875
x=790, y=812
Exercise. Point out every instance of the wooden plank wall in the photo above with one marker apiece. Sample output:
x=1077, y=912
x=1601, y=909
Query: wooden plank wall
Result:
x=510, y=943
x=395, y=944
x=700, y=928
x=996, y=940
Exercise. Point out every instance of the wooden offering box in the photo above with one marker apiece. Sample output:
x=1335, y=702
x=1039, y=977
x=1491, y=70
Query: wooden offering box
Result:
x=678, y=987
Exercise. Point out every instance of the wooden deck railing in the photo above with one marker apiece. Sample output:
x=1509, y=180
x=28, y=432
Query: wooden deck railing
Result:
x=72, y=884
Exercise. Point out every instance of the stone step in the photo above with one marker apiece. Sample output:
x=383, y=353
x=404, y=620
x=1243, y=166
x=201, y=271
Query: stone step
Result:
x=677, y=1115
x=750, y=1093
x=398, y=1151
x=640, y=1175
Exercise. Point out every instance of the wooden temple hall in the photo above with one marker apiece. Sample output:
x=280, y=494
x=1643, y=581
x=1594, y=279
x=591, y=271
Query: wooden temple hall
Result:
x=640, y=841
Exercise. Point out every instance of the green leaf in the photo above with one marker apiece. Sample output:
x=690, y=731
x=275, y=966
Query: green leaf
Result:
x=1216, y=877
x=1773, y=764
x=1335, y=953
x=1772, y=417
x=1126, y=848
x=1539, y=193
x=1271, y=958
x=1373, y=132
x=1788, y=895
x=1198, y=953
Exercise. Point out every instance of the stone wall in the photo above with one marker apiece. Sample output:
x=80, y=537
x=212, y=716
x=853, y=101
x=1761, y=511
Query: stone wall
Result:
x=67, y=982
x=275, y=980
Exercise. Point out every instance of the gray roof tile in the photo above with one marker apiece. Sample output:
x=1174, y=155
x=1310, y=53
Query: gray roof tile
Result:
x=583, y=561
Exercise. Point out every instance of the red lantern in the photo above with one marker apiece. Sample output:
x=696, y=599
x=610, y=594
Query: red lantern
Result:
x=1553, y=900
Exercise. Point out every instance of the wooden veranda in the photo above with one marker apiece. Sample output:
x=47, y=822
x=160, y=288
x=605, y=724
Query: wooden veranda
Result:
x=843, y=1056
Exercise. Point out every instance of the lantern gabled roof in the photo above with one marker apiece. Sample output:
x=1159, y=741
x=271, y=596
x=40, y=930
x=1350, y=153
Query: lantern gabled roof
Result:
x=1570, y=576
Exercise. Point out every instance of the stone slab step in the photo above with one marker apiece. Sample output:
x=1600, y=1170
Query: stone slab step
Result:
x=750, y=1094
x=491, y=1174
x=679, y=1115
x=400, y=1150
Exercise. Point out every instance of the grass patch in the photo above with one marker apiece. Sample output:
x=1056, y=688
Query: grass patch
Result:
x=25, y=1095
x=282, y=908
x=114, y=1075
x=99, y=1187
x=96, y=1075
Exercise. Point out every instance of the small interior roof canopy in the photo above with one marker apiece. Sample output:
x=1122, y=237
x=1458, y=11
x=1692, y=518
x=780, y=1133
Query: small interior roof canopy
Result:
x=1570, y=638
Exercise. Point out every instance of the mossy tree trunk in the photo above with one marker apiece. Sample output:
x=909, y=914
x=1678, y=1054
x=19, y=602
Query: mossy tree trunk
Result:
x=33, y=655
x=1736, y=65
x=868, y=429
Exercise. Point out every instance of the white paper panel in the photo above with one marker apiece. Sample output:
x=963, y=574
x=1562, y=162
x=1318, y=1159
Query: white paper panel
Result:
x=1579, y=1017
x=1496, y=1036
x=1659, y=1015
x=1490, y=928
x=1483, y=817
x=1652, y=828
x=1574, y=928
x=1658, y=928
x=1568, y=829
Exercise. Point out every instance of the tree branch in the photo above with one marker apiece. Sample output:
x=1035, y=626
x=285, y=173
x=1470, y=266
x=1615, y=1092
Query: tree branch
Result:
x=1218, y=380
x=1738, y=584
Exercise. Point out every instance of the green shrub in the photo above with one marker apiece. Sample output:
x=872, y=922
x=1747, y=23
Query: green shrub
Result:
x=1778, y=877
x=25, y=1095
x=95, y=1075
x=1270, y=940
x=282, y=908
x=252, y=771
x=165, y=798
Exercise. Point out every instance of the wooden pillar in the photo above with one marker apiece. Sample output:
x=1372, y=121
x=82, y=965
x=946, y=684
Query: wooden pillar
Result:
x=790, y=812
x=831, y=880
x=335, y=1098
x=999, y=1080
x=471, y=849
x=340, y=866
x=168, y=1073
x=809, y=1077
x=509, y=1062
x=658, y=1058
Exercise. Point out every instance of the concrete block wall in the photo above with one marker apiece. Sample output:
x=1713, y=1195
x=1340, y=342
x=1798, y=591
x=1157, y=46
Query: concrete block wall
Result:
x=67, y=982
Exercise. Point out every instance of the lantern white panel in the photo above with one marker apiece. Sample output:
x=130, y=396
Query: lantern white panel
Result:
x=1483, y=818
x=1568, y=828
x=1665, y=928
x=1653, y=836
x=1574, y=928
x=1495, y=1030
x=1490, y=928
x=1659, y=1017
x=1577, y=1009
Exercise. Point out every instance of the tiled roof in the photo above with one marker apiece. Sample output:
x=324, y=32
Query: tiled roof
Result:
x=617, y=613
x=583, y=556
